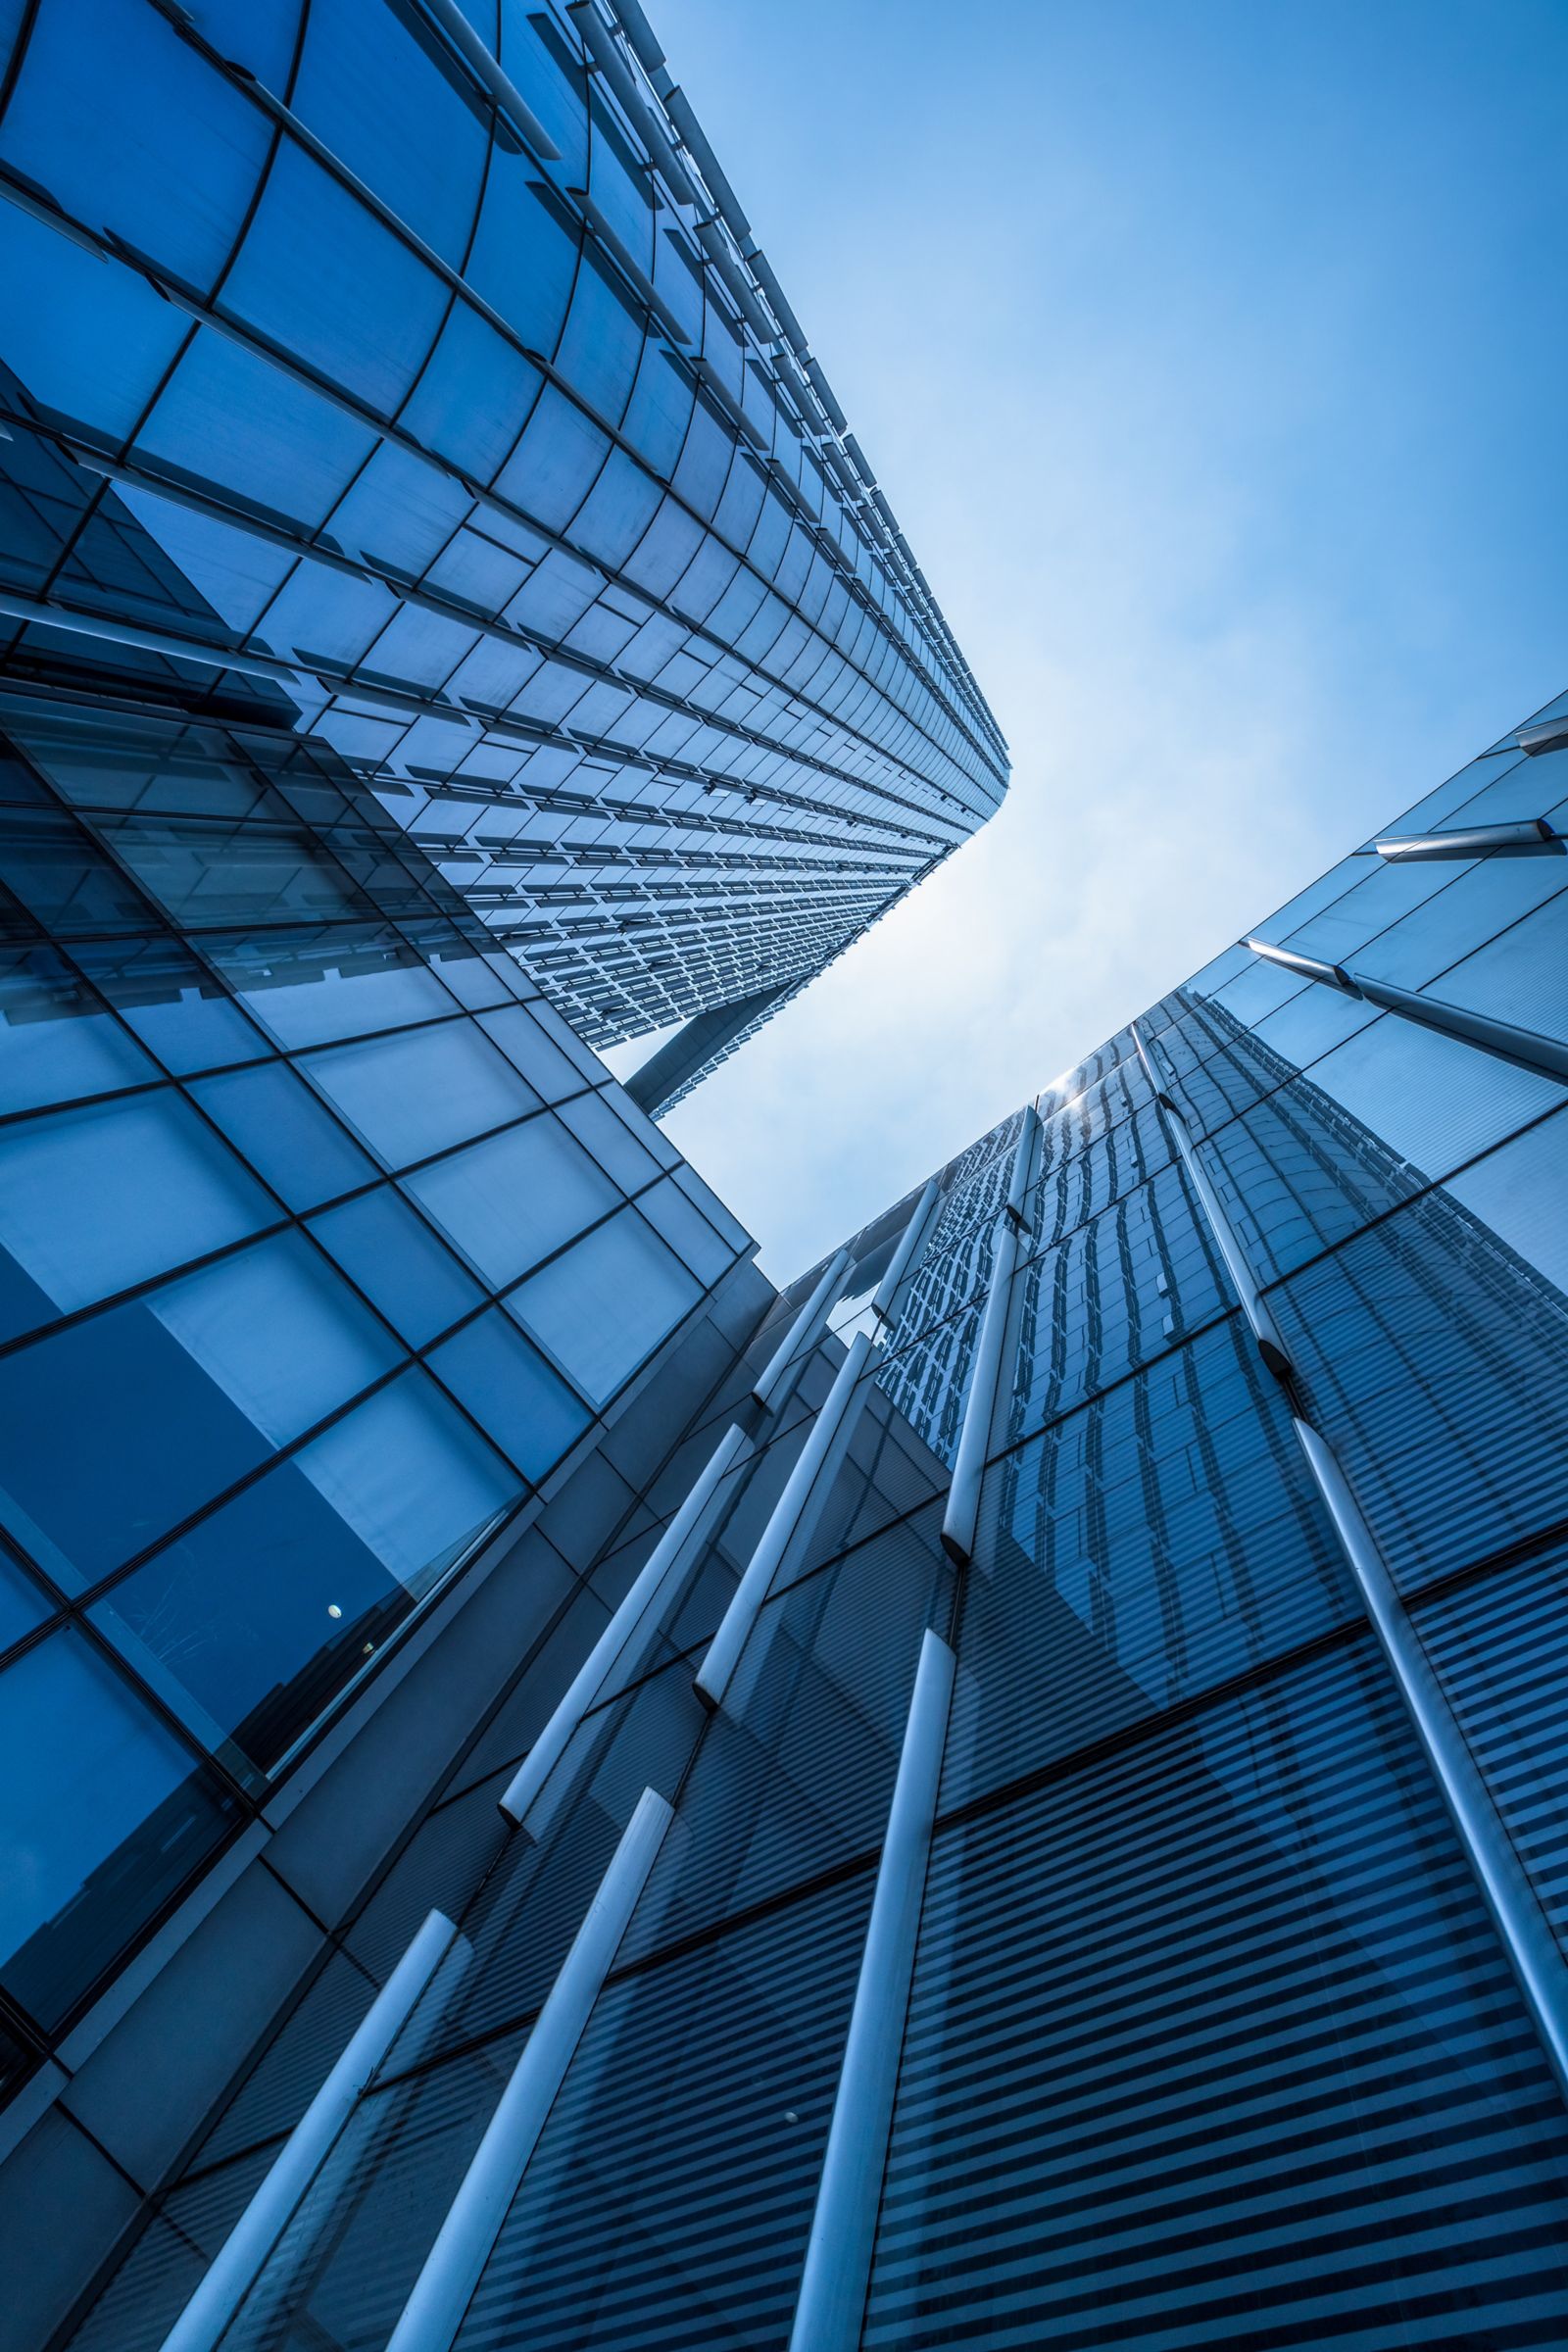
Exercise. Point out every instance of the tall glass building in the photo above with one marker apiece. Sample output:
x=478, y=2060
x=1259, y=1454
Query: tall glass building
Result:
x=1013, y=1793
x=432, y=346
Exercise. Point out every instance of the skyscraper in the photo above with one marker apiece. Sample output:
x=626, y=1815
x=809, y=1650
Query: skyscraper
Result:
x=1052, y=1829
x=447, y=371
x=553, y=1794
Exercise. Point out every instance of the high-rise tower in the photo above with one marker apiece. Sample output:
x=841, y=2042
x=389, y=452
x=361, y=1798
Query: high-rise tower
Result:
x=442, y=361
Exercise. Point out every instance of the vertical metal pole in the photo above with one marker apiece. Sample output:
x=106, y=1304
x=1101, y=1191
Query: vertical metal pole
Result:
x=913, y=1239
x=962, y=1517
x=670, y=1557
x=791, y=1516
x=803, y=1332
x=444, y=2289
x=1525, y=1934
x=238, y=2262
x=838, y=2254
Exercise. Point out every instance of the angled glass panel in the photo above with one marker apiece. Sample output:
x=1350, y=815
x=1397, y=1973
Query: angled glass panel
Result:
x=105, y=1813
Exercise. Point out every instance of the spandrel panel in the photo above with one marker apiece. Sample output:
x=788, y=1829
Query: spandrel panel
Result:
x=1213, y=2042
x=1497, y=1642
x=1433, y=1350
x=1154, y=1542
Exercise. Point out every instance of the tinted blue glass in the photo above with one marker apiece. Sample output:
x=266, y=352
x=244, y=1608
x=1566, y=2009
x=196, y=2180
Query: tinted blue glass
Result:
x=1211, y=2043
x=1431, y=1347
x=605, y=1304
x=95, y=1200
x=507, y=1202
x=397, y=1261
x=252, y=1622
x=511, y=1392
x=291, y=1143
x=57, y=1043
x=104, y=1813
x=422, y=1090
x=171, y=1002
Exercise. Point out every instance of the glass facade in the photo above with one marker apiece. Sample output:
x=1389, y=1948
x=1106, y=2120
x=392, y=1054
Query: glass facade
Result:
x=1215, y=2031
x=436, y=353
x=1112, y=1890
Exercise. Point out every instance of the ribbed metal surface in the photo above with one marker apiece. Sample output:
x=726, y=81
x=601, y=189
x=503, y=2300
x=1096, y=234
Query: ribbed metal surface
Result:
x=1432, y=1353
x=1500, y=1644
x=1212, y=2045
x=1153, y=1543
x=670, y=2197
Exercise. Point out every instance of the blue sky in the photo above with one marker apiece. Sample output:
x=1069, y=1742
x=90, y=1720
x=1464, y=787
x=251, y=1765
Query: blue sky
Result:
x=1213, y=356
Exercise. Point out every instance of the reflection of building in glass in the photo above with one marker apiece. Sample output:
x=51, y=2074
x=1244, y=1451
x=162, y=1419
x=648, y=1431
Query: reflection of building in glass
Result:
x=928, y=1810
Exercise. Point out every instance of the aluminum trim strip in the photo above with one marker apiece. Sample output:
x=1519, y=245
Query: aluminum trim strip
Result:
x=792, y=1515
x=803, y=1332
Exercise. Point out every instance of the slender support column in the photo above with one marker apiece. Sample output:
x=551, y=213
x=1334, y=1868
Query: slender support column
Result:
x=1253, y=1305
x=1522, y=1926
x=913, y=1239
x=444, y=2289
x=1547, y=1056
x=487, y=71
x=239, y=2261
x=962, y=1514
x=1528, y=1049
x=1531, y=837
x=791, y=1516
x=1528, y=1941
x=838, y=2254
x=803, y=1332
x=670, y=1556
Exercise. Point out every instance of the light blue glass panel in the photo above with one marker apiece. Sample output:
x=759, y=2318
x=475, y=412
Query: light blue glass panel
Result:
x=56, y=1041
x=413, y=1480
x=94, y=1200
x=280, y=1334
x=397, y=1263
x=22, y=1604
x=347, y=984
x=93, y=118
x=289, y=1140
x=421, y=1090
x=604, y=1306
x=511, y=1392
x=510, y=1201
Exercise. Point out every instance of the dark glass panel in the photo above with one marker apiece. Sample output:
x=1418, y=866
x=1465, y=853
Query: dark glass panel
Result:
x=104, y=1813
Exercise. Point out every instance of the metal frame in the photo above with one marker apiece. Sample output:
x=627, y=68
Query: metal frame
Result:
x=670, y=1556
